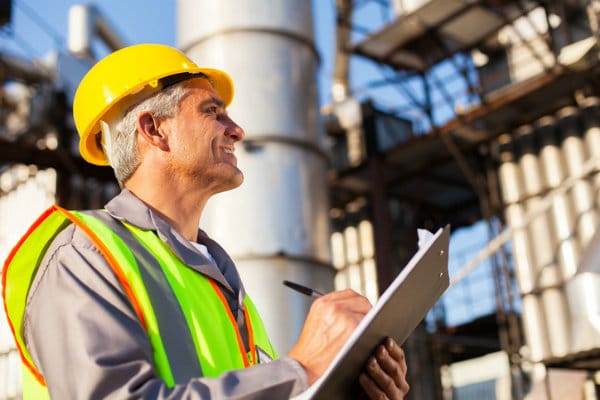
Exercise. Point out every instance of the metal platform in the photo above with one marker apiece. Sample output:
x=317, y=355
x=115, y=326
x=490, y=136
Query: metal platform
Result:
x=438, y=29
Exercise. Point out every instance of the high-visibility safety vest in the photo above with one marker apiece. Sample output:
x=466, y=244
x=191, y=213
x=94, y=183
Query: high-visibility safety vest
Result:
x=184, y=313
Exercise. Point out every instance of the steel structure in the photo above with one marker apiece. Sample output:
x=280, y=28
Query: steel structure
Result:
x=471, y=79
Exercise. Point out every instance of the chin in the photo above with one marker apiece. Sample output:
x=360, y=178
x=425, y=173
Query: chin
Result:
x=233, y=183
x=238, y=182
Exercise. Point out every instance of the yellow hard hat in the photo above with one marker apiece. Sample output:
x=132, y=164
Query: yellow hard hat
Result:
x=126, y=72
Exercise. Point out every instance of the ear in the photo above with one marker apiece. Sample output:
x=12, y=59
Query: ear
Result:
x=148, y=128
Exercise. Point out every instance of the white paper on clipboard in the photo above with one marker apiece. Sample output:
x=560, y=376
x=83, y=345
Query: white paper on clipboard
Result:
x=396, y=314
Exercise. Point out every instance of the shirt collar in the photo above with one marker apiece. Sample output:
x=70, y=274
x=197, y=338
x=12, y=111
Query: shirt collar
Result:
x=126, y=207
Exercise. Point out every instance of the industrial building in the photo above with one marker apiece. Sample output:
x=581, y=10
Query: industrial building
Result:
x=482, y=114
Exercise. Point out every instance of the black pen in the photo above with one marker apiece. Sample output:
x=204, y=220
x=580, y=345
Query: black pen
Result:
x=303, y=289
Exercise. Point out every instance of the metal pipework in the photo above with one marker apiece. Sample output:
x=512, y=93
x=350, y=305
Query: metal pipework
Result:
x=339, y=89
x=85, y=22
x=276, y=225
x=561, y=213
x=534, y=326
x=547, y=274
x=510, y=185
x=574, y=154
x=13, y=67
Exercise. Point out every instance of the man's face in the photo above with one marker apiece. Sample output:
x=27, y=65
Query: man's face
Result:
x=202, y=138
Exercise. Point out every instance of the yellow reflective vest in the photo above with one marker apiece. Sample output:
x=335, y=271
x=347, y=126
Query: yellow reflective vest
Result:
x=189, y=324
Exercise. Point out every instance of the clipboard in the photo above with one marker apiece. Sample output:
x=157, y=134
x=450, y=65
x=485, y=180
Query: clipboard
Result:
x=397, y=313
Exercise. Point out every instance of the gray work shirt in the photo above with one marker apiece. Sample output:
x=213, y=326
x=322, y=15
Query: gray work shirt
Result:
x=88, y=343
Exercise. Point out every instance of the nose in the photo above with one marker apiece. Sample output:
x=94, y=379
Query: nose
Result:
x=234, y=131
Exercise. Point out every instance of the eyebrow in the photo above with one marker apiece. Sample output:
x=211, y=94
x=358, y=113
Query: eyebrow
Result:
x=213, y=100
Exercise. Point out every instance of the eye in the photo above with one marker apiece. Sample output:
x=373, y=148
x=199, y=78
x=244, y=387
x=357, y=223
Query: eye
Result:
x=212, y=109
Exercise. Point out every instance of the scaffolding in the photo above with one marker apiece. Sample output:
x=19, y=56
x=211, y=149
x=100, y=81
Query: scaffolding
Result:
x=461, y=79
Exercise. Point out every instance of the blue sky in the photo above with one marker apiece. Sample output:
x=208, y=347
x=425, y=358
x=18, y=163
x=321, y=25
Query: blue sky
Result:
x=38, y=28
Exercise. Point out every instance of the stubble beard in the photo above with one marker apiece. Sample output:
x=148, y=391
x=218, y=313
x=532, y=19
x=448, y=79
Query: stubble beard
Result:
x=219, y=183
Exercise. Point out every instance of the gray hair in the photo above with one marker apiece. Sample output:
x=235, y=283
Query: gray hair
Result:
x=120, y=147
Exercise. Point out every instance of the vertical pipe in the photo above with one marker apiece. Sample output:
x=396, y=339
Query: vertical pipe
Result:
x=346, y=108
x=543, y=244
x=379, y=202
x=591, y=125
x=561, y=257
x=276, y=225
x=85, y=23
x=562, y=208
x=80, y=30
x=339, y=89
x=574, y=153
x=513, y=195
x=514, y=330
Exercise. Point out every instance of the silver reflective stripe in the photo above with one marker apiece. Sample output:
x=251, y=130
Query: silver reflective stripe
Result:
x=174, y=330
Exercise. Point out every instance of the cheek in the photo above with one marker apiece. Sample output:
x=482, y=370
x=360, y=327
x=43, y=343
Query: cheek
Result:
x=199, y=149
x=197, y=138
x=209, y=133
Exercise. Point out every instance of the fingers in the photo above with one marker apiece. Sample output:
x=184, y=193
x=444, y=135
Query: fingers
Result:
x=385, y=373
x=347, y=299
x=341, y=311
x=330, y=321
x=377, y=384
x=343, y=294
x=391, y=358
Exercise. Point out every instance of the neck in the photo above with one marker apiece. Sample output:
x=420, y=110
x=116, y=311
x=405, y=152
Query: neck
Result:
x=180, y=206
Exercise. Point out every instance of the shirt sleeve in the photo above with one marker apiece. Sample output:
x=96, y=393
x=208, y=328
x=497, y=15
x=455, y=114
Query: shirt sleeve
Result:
x=88, y=343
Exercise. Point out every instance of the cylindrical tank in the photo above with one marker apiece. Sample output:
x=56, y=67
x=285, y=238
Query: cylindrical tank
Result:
x=276, y=225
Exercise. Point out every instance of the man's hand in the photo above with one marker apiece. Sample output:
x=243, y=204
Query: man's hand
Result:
x=330, y=321
x=384, y=376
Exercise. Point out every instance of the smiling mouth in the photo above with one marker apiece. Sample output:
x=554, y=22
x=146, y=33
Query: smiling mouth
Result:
x=228, y=151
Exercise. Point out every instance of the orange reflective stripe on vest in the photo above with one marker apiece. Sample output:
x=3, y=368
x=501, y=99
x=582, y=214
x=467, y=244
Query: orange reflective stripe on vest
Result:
x=188, y=321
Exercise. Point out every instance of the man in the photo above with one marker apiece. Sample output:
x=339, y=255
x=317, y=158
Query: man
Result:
x=135, y=301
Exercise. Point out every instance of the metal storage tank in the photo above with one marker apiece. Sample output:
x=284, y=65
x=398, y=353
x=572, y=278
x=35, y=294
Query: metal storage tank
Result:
x=276, y=225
